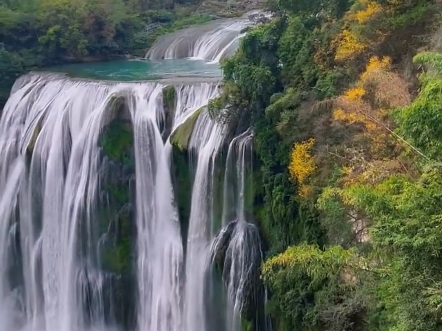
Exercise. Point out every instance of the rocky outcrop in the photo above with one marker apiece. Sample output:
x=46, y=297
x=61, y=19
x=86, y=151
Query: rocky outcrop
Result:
x=221, y=244
x=181, y=136
x=116, y=214
x=169, y=104
x=236, y=252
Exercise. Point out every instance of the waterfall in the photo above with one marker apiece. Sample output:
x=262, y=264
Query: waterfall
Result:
x=210, y=41
x=191, y=98
x=206, y=142
x=90, y=233
x=57, y=223
x=237, y=248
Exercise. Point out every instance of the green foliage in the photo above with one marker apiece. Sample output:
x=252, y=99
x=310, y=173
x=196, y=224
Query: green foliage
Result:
x=312, y=288
x=363, y=279
x=431, y=61
x=406, y=237
x=409, y=15
x=420, y=122
x=311, y=8
x=296, y=53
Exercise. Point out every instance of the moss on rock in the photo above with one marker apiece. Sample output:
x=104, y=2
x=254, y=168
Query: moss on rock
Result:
x=169, y=104
x=115, y=212
x=182, y=181
x=117, y=141
x=181, y=137
x=169, y=97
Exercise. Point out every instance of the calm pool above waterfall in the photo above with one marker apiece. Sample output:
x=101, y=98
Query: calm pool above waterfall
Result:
x=130, y=70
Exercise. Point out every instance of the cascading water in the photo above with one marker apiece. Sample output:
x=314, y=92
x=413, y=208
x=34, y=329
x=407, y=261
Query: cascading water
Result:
x=237, y=249
x=205, y=142
x=90, y=237
x=51, y=182
x=209, y=42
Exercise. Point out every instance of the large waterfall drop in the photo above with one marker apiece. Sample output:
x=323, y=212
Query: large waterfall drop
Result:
x=94, y=233
x=52, y=184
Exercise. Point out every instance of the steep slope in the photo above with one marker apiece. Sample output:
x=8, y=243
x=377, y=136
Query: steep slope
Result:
x=346, y=138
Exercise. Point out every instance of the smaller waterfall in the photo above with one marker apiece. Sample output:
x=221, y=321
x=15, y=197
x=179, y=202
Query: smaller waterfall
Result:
x=210, y=41
x=237, y=249
x=159, y=246
x=206, y=141
x=190, y=98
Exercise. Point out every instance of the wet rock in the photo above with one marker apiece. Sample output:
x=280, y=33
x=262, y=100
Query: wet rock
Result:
x=181, y=136
x=258, y=18
x=221, y=244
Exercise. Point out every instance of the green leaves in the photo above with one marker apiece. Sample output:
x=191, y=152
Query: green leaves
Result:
x=421, y=122
x=312, y=7
x=314, y=289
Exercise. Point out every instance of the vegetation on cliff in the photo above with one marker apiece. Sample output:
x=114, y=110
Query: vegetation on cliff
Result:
x=344, y=99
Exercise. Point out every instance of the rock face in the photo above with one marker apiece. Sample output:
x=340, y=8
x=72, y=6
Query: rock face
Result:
x=221, y=244
x=169, y=104
x=258, y=18
x=236, y=252
x=116, y=214
x=181, y=137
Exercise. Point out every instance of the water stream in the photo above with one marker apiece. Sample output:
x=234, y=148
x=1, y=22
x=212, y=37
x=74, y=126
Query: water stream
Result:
x=74, y=201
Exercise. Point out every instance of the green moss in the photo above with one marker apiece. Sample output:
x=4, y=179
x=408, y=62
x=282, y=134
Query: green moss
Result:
x=182, y=187
x=246, y=325
x=181, y=137
x=117, y=140
x=119, y=194
x=169, y=97
x=169, y=104
x=116, y=258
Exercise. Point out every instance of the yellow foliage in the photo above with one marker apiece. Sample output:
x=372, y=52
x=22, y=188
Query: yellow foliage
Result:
x=354, y=118
x=314, y=262
x=346, y=170
x=305, y=190
x=349, y=45
x=371, y=9
x=357, y=35
x=302, y=165
x=352, y=109
x=355, y=93
x=374, y=64
x=371, y=173
x=366, y=105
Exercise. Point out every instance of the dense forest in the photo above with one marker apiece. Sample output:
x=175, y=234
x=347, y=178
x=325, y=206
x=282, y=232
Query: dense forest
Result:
x=344, y=100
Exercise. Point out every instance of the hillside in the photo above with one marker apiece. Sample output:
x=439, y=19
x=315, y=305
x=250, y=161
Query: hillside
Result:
x=344, y=100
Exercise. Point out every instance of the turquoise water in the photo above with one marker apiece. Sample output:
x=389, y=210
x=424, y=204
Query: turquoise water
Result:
x=129, y=70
